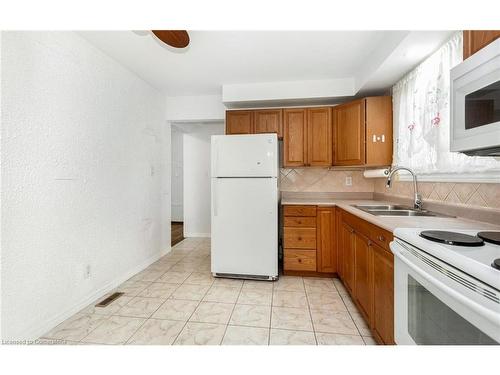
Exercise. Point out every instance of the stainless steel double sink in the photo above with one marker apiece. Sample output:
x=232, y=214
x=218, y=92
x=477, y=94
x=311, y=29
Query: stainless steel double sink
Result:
x=396, y=210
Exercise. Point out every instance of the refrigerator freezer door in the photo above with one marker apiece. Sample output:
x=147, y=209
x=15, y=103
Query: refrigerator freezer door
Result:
x=245, y=226
x=245, y=155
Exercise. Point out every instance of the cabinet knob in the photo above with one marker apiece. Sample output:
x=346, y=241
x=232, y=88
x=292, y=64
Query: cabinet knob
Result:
x=370, y=243
x=381, y=238
x=300, y=238
x=300, y=260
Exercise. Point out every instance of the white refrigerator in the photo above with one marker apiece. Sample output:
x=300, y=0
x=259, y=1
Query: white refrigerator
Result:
x=244, y=191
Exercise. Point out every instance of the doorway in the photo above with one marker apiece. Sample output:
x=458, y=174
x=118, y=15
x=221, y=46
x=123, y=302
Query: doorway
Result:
x=177, y=202
x=191, y=192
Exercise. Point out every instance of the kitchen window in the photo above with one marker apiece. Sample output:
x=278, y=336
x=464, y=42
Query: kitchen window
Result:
x=421, y=105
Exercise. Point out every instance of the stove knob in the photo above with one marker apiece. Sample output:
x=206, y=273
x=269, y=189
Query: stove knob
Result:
x=496, y=264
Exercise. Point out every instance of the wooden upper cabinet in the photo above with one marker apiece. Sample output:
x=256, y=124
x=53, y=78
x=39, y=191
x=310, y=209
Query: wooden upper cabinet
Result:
x=239, y=122
x=363, y=132
x=319, y=136
x=294, y=137
x=326, y=251
x=349, y=130
x=378, y=116
x=383, y=294
x=269, y=121
x=474, y=40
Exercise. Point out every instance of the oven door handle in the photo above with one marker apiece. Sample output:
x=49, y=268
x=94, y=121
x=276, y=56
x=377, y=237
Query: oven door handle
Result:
x=492, y=316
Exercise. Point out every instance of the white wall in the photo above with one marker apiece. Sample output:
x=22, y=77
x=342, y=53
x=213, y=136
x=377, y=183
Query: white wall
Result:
x=297, y=90
x=195, y=108
x=177, y=178
x=81, y=181
x=197, y=179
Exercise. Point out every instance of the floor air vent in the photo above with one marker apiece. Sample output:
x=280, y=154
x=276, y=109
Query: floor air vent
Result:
x=106, y=301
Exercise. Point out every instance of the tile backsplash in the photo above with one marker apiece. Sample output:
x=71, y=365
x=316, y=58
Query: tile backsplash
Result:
x=323, y=180
x=466, y=194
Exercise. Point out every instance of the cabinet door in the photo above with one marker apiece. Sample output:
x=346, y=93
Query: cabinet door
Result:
x=363, y=289
x=474, y=40
x=326, y=240
x=383, y=296
x=338, y=240
x=349, y=130
x=294, y=137
x=347, y=250
x=319, y=136
x=378, y=131
x=269, y=121
x=239, y=122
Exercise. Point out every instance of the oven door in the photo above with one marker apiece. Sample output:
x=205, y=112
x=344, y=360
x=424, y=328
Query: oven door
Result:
x=475, y=103
x=436, y=304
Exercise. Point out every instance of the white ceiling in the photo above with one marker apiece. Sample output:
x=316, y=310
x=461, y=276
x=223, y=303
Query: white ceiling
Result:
x=215, y=58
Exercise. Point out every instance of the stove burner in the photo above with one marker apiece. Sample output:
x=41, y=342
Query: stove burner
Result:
x=493, y=237
x=451, y=238
x=496, y=264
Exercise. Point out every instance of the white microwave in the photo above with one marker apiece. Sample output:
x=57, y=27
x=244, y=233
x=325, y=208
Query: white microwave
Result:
x=475, y=103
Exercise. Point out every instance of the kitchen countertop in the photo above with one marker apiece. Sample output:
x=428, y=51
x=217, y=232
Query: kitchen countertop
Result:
x=390, y=223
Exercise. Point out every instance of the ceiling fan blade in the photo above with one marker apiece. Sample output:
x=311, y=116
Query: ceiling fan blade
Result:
x=174, y=38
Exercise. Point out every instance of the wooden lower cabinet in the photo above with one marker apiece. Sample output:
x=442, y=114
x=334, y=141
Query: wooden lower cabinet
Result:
x=383, y=294
x=338, y=240
x=366, y=268
x=363, y=274
x=310, y=240
x=347, y=255
x=326, y=243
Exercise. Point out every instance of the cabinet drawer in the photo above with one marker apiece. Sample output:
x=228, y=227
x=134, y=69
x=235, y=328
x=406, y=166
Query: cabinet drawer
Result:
x=300, y=238
x=381, y=237
x=299, y=260
x=299, y=211
x=300, y=221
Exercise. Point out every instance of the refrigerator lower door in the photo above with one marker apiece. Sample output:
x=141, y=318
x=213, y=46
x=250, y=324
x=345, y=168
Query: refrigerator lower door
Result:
x=245, y=227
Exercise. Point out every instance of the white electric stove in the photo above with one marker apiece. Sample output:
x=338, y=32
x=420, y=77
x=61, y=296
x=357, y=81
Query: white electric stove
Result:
x=447, y=286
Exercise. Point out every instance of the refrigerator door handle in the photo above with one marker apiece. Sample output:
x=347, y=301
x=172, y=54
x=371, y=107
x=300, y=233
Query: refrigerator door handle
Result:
x=214, y=194
x=216, y=164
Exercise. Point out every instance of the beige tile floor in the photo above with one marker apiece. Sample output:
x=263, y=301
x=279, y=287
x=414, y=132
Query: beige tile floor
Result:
x=177, y=301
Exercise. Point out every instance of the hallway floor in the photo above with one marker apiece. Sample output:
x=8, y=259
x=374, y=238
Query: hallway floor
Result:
x=177, y=301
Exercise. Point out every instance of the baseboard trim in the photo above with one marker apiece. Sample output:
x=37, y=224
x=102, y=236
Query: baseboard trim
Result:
x=197, y=235
x=34, y=333
x=310, y=274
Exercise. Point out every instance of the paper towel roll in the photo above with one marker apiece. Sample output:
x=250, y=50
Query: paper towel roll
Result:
x=376, y=173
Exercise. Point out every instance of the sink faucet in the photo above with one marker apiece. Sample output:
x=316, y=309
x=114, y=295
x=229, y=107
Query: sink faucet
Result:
x=417, y=204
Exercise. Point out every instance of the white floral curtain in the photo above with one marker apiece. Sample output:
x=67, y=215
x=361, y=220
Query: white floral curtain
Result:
x=421, y=109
